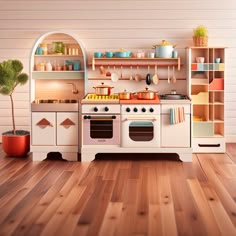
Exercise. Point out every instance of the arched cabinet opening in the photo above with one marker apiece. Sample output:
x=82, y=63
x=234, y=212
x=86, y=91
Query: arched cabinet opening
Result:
x=58, y=82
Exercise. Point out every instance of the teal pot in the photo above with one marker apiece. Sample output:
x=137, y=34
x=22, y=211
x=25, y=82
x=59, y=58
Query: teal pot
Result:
x=164, y=49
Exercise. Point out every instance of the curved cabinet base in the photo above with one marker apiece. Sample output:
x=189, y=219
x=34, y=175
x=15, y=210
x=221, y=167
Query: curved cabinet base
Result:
x=88, y=152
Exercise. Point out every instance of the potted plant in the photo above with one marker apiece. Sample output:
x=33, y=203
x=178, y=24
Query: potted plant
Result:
x=200, y=36
x=14, y=142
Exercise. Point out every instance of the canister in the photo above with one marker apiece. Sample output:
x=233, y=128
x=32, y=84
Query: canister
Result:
x=76, y=65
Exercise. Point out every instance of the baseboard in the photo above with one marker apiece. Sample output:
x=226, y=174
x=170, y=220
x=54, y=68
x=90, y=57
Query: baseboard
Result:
x=230, y=139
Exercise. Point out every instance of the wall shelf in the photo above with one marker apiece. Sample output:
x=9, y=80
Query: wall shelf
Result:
x=133, y=61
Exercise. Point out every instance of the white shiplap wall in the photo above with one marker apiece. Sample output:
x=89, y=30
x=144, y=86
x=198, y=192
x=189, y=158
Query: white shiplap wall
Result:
x=110, y=24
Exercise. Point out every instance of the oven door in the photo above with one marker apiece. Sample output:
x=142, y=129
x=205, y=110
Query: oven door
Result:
x=101, y=129
x=140, y=131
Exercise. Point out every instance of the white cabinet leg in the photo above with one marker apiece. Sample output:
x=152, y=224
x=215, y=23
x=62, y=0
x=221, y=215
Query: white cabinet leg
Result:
x=185, y=157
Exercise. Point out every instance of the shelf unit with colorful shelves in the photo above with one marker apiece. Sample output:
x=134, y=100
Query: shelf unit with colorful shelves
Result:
x=207, y=93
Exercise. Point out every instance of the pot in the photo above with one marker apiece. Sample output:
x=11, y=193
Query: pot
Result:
x=103, y=89
x=164, y=49
x=122, y=53
x=146, y=94
x=125, y=95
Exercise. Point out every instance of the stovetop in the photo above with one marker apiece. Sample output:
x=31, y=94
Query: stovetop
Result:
x=93, y=98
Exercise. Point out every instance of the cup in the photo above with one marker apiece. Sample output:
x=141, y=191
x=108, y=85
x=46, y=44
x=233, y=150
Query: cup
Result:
x=217, y=60
x=109, y=54
x=76, y=65
x=97, y=54
x=151, y=54
x=174, y=54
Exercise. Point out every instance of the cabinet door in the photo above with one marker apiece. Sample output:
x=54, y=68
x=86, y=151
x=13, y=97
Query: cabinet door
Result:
x=43, y=128
x=67, y=128
x=175, y=135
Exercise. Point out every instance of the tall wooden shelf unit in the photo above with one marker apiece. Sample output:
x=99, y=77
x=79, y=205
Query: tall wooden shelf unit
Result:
x=207, y=94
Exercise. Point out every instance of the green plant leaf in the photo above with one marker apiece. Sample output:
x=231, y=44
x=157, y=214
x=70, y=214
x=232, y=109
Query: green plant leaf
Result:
x=22, y=78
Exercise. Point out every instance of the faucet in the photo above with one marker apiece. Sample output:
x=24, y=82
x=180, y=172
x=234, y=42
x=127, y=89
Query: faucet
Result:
x=74, y=89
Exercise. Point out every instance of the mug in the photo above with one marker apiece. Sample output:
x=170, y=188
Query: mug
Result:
x=76, y=65
x=97, y=54
x=174, y=54
x=217, y=60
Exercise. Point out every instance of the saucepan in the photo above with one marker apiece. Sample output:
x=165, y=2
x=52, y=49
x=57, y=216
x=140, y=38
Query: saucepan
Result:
x=125, y=95
x=103, y=89
x=147, y=94
x=164, y=49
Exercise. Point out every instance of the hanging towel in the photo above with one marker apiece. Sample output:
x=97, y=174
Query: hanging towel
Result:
x=177, y=115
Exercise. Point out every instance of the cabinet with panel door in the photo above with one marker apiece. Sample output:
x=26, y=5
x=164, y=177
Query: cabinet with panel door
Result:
x=206, y=72
x=175, y=135
x=59, y=130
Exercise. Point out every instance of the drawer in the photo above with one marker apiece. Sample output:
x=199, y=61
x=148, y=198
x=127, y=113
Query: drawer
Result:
x=165, y=108
x=211, y=145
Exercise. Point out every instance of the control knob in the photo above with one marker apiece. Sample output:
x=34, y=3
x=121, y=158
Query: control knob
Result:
x=151, y=110
x=106, y=109
x=143, y=109
x=95, y=109
x=135, y=109
x=128, y=109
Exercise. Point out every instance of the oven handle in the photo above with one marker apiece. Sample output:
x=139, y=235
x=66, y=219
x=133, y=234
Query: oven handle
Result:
x=99, y=117
x=140, y=118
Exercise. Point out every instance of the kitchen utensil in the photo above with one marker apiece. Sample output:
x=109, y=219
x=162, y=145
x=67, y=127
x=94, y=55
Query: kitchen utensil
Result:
x=146, y=94
x=168, y=75
x=103, y=89
x=102, y=70
x=121, y=67
x=173, y=79
x=108, y=73
x=164, y=49
x=137, y=76
x=125, y=95
x=155, y=78
x=131, y=73
x=114, y=75
x=148, y=78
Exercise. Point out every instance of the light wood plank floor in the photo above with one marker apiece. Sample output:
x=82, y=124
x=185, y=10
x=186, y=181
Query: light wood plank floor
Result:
x=119, y=197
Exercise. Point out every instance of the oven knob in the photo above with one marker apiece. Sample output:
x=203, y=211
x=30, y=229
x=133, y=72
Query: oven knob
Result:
x=87, y=117
x=95, y=109
x=143, y=109
x=106, y=109
x=128, y=109
x=151, y=110
x=135, y=109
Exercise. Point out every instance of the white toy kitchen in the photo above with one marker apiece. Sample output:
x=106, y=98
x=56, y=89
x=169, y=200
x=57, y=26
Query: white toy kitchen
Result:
x=116, y=102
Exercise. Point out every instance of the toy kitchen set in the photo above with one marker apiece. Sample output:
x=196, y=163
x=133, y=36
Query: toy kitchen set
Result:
x=124, y=102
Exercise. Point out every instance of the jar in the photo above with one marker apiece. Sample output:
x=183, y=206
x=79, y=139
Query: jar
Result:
x=48, y=66
x=44, y=48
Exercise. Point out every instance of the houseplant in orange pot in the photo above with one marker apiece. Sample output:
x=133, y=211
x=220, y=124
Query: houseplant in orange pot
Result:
x=14, y=142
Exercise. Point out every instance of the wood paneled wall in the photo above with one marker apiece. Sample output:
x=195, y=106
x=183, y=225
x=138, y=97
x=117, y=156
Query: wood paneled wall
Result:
x=112, y=24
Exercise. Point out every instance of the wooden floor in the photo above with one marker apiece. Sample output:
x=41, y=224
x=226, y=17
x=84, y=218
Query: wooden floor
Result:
x=120, y=197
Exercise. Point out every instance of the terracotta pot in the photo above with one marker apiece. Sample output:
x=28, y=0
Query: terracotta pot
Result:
x=146, y=94
x=103, y=89
x=16, y=145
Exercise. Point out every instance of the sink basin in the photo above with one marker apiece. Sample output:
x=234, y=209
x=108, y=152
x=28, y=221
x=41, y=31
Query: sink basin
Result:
x=55, y=105
x=56, y=101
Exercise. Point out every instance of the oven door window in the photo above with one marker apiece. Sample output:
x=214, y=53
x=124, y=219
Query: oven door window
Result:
x=141, y=131
x=101, y=129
